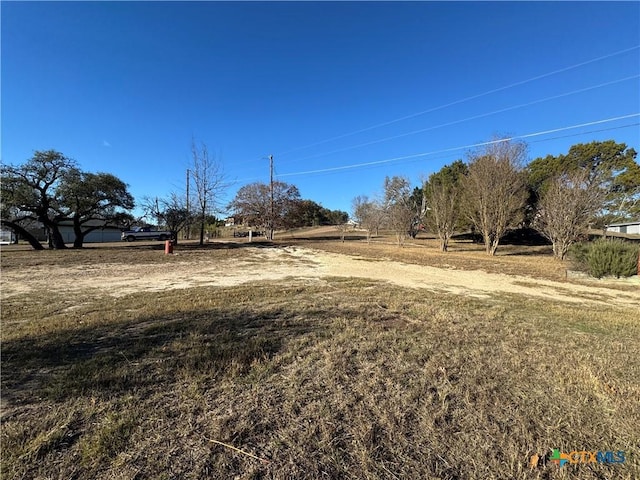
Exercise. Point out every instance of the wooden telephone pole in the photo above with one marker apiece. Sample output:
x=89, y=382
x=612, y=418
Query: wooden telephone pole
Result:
x=188, y=228
x=272, y=217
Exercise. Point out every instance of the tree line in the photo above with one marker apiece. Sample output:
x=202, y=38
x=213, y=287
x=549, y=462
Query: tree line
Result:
x=495, y=190
x=49, y=190
x=279, y=206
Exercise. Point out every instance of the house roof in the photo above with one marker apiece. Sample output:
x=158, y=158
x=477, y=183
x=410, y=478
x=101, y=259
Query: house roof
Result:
x=90, y=223
x=623, y=224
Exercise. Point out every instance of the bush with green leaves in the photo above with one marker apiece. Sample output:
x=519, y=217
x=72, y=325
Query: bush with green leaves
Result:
x=578, y=256
x=606, y=257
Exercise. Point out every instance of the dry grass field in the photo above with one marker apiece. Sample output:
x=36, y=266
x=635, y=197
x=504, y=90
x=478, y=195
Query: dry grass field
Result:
x=271, y=361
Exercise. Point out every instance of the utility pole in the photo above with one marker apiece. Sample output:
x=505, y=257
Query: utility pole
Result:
x=157, y=214
x=272, y=219
x=188, y=229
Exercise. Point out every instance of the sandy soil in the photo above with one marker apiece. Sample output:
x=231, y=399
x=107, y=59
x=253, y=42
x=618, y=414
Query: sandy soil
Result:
x=301, y=264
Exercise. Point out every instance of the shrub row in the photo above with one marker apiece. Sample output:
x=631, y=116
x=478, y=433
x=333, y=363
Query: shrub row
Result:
x=604, y=257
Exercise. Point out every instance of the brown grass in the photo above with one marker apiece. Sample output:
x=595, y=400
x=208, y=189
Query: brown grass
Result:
x=534, y=261
x=342, y=379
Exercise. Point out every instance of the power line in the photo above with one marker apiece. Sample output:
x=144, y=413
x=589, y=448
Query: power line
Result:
x=466, y=99
x=463, y=147
x=448, y=151
x=585, y=133
x=475, y=117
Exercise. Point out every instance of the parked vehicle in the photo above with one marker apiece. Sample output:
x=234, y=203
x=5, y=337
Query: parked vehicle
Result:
x=146, y=233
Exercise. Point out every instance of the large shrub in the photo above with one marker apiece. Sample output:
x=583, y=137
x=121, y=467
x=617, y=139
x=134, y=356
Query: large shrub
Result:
x=578, y=256
x=606, y=257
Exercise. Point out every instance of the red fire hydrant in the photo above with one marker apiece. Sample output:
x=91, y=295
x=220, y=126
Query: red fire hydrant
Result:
x=168, y=247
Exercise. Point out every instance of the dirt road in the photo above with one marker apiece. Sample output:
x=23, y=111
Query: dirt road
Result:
x=297, y=264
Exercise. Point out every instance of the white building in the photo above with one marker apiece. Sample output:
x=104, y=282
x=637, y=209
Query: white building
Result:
x=101, y=234
x=627, y=227
x=7, y=237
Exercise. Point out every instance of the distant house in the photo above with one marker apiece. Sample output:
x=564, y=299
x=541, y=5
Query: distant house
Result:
x=101, y=234
x=109, y=233
x=7, y=237
x=627, y=227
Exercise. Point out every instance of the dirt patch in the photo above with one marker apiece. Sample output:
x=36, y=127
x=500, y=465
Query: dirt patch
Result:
x=299, y=263
x=466, y=282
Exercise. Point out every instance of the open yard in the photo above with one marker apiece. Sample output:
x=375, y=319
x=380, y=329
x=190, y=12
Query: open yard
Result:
x=312, y=358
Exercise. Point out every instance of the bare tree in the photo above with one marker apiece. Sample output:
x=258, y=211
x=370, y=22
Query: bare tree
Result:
x=369, y=214
x=209, y=183
x=443, y=197
x=566, y=208
x=443, y=212
x=494, y=190
x=343, y=228
x=398, y=205
x=170, y=212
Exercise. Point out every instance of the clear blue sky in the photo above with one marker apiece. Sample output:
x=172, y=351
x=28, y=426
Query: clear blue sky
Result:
x=122, y=87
